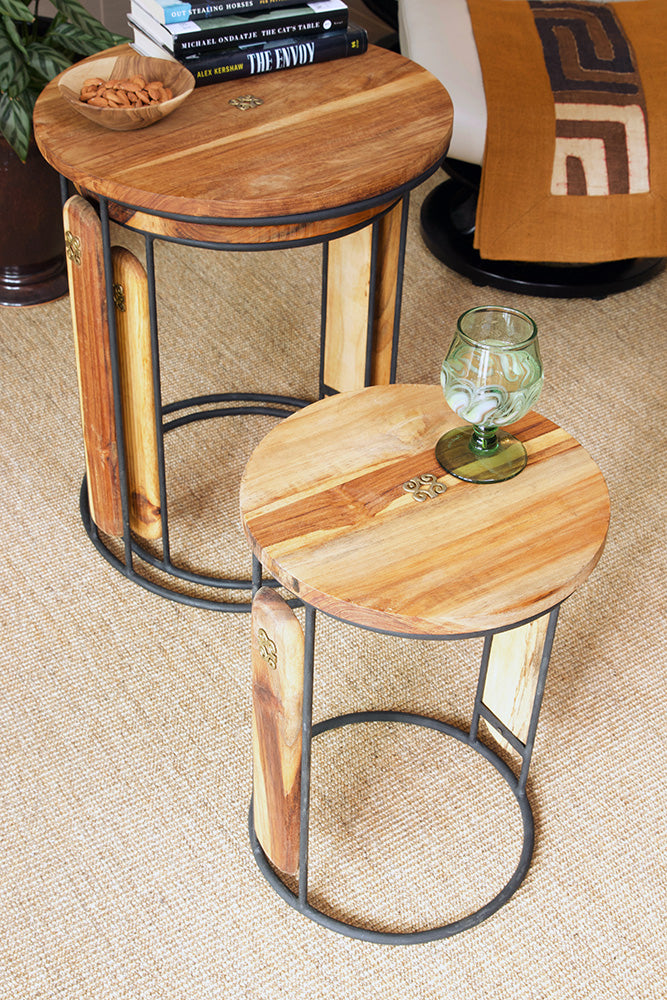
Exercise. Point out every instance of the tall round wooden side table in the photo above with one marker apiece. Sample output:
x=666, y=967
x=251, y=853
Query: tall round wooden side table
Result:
x=345, y=505
x=323, y=154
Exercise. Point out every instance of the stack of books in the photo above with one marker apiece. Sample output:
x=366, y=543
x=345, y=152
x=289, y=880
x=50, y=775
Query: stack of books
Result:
x=223, y=39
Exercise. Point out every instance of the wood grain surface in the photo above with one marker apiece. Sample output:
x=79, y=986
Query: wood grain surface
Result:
x=348, y=301
x=136, y=366
x=277, y=697
x=389, y=241
x=123, y=67
x=288, y=231
x=511, y=679
x=324, y=507
x=88, y=300
x=326, y=136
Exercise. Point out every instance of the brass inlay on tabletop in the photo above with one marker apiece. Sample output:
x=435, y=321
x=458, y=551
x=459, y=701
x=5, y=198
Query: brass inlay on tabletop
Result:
x=267, y=649
x=73, y=247
x=119, y=297
x=246, y=102
x=423, y=487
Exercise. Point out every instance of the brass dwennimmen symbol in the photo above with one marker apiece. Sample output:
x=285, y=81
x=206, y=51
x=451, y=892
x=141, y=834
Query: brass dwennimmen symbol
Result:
x=119, y=297
x=73, y=247
x=247, y=102
x=267, y=649
x=424, y=486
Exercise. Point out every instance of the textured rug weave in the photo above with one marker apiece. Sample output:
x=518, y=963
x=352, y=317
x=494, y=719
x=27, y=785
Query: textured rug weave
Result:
x=575, y=162
x=125, y=867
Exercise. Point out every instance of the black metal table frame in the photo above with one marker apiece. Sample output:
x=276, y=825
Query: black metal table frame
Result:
x=517, y=783
x=221, y=404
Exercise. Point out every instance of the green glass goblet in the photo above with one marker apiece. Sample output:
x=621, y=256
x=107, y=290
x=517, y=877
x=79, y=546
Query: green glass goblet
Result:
x=492, y=375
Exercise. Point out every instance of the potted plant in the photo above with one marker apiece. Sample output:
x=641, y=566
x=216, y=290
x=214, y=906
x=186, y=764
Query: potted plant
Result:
x=32, y=51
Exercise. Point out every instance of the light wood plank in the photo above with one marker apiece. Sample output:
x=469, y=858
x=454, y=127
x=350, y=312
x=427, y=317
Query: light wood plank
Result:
x=347, y=305
x=134, y=349
x=324, y=505
x=511, y=679
x=348, y=292
x=277, y=697
x=88, y=302
x=389, y=240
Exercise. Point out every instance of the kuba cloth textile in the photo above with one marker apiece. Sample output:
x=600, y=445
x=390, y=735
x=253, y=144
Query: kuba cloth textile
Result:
x=575, y=164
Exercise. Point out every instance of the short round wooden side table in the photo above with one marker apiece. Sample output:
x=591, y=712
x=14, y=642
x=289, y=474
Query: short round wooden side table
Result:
x=346, y=506
x=323, y=154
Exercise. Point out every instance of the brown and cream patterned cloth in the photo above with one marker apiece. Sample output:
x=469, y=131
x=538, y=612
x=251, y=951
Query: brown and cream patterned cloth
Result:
x=575, y=165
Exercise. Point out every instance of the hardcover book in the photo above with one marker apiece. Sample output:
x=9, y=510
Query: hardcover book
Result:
x=263, y=57
x=171, y=12
x=190, y=37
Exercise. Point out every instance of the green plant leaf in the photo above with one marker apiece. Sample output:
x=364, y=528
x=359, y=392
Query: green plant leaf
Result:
x=29, y=59
x=16, y=124
x=8, y=30
x=14, y=74
x=64, y=35
x=87, y=45
x=87, y=24
x=70, y=39
x=47, y=62
x=16, y=9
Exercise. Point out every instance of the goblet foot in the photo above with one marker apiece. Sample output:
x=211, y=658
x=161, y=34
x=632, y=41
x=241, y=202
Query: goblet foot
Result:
x=505, y=459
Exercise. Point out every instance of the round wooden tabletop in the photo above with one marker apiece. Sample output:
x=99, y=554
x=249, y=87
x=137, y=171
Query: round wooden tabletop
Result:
x=325, y=136
x=324, y=505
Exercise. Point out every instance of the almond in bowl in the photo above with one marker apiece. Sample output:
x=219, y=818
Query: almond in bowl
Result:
x=134, y=92
x=127, y=91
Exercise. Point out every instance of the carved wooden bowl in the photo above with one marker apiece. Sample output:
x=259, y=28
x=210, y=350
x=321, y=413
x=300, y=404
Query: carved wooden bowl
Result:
x=122, y=67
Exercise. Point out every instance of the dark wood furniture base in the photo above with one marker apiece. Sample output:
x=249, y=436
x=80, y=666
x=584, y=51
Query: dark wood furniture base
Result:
x=448, y=227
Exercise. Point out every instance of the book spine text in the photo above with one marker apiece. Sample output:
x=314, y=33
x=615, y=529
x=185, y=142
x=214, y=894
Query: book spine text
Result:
x=190, y=43
x=202, y=11
x=240, y=63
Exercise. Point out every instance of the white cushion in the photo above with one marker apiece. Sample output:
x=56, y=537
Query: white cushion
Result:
x=438, y=35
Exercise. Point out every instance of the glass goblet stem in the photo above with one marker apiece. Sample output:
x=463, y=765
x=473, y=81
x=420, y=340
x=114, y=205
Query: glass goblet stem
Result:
x=484, y=440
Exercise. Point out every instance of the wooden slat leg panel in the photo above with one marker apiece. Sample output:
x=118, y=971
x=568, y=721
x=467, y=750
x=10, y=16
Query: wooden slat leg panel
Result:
x=277, y=694
x=85, y=269
x=134, y=348
x=348, y=291
x=348, y=300
x=385, y=293
x=511, y=679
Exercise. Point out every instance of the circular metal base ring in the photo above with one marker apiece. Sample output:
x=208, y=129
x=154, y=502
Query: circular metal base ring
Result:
x=433, y=933
x=234, y=404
